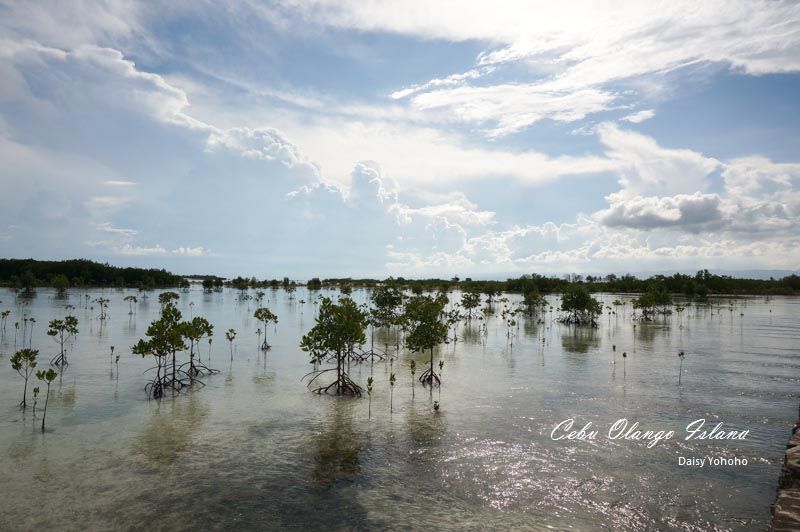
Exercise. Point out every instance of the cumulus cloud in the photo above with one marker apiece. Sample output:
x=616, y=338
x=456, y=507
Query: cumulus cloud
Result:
x=690, y=212
x=648, y=169
x=267, y=144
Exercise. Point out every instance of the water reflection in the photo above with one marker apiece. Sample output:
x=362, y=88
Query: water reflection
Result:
x=337, y=447
x=580, y=339
x=172, y=426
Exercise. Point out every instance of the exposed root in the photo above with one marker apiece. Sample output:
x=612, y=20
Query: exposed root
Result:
x=372, y=354
x=181, y=379
x=579, y=318
x=197, y=369
x=59, y=361
x=343, y=385
x=429, y=378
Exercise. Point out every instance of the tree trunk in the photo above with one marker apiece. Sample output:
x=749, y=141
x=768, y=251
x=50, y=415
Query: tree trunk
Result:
x=25, y=392
x=339, y=372
x=46, y=399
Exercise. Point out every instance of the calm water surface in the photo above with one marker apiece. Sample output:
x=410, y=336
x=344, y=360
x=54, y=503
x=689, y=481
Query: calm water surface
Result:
x=254, y=449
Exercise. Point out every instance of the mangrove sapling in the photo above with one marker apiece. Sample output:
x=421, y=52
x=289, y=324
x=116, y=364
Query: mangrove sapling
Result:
x=230, y=335
x=61, y=331
x=4, y=317
x=533, y=302
x=165, y=339
x=24, y=362
x=266, y=316
x=103, y=304
x=580, y=306
x=681, y=354
x=386, y=301
x=423, y=316
x=654, y=301
x=195, y=330
x=30, y=333
x=132, y=300
x=369, y=394
x=16, y=328
x=48, y=377
x=470, y=301
x=453, y=317
x=624, y=358
x=168, y=298
x=413, y=372
x=35, y=397
x=338, y=328
x=441, y=372
x=391, y=391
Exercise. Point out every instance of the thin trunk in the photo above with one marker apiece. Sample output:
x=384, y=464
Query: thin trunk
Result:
x=46, y=399
x=339, y=372
x=25, y=392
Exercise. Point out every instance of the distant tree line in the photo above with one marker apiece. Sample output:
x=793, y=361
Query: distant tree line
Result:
x=700, y=285
x=27, y=274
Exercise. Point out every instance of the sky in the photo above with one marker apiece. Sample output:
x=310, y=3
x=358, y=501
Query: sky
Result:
x=413, y=138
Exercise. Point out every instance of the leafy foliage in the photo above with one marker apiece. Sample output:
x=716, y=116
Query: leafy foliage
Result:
x=580, y=306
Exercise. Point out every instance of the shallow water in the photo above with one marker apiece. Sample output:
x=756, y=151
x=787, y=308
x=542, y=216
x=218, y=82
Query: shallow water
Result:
x=254, y=449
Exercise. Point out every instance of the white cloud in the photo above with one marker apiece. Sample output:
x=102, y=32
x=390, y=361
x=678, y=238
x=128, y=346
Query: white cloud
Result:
x=509, y=108
x=129, y=249
x=451, y=80
x=576, y=55
x=110, y=228
x=640, y=116
x=267, y=144
x=689, y=212
x=648, y=169
x=190, y=252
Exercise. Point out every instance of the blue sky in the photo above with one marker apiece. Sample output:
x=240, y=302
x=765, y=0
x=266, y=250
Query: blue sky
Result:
x=406, y=138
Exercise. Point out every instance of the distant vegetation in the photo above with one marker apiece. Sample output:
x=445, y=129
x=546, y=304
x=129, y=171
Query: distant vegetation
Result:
x=698, y=286
x=27, y=274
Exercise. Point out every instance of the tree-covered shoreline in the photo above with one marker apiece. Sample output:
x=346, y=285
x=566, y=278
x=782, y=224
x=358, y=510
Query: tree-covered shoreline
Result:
x=27, y=274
